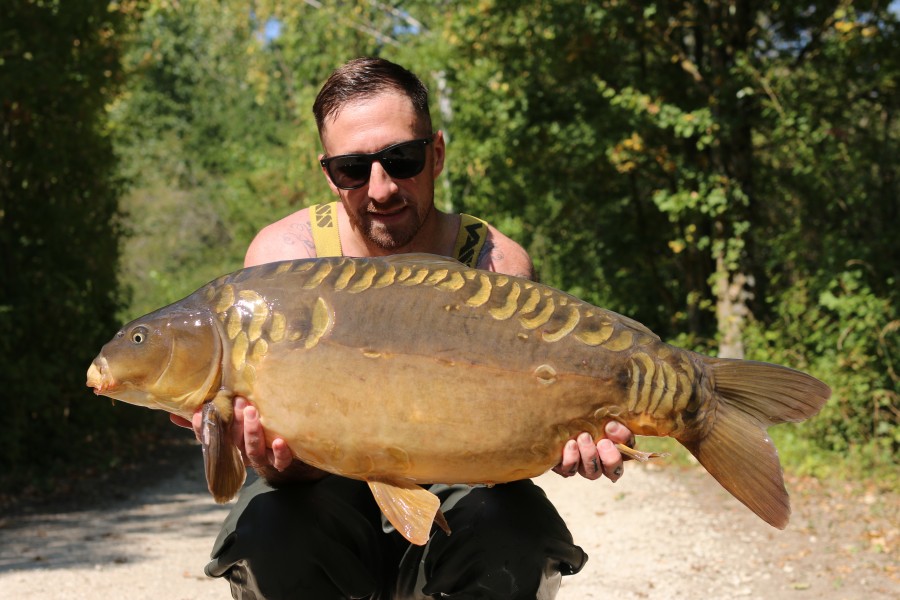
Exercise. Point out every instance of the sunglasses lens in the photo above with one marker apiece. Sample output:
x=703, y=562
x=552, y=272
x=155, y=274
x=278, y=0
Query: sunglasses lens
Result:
x=404, y=161
x=350, y=172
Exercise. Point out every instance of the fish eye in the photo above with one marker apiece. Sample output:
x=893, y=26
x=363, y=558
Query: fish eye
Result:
x=139, y=334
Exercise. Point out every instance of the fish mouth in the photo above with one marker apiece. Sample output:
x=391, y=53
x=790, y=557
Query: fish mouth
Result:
x=98, y=376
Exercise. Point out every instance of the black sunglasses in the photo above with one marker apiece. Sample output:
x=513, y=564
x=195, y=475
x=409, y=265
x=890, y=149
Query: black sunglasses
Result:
x=400, y=161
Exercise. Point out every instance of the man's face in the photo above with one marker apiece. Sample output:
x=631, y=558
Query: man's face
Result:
x=387, y=211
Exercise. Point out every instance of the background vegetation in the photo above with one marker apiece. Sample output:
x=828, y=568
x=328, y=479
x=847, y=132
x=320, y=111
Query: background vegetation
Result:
x=723, y=171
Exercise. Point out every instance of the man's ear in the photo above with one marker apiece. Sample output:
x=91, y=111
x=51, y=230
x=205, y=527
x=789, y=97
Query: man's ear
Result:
x=327, y=178
x=440, y=152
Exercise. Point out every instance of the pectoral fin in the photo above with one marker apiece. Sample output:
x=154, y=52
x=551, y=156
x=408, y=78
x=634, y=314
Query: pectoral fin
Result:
x=225, y=472
x=638, y=455
x=410, y=509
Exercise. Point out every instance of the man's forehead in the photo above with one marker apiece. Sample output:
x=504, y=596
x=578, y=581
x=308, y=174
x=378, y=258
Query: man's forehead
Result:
x=369, y=124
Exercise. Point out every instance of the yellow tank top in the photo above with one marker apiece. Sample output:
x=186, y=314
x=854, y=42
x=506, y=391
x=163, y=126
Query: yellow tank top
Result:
x=324, y=221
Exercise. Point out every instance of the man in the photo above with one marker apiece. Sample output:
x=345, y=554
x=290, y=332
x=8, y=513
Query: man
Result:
x=298, y=532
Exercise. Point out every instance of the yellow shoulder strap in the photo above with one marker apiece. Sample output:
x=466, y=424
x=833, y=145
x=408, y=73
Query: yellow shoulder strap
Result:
x=470, y=239
x=323, y=218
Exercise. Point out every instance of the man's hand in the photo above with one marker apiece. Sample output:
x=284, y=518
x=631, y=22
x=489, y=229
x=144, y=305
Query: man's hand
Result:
x=275, y=464
x=250, y=438
x=592, y=461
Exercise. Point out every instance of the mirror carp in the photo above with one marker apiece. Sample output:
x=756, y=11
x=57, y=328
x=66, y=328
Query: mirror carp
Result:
x=414, y=369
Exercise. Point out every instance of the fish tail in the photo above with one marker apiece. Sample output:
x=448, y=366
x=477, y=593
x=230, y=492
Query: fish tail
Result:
x=737, y=450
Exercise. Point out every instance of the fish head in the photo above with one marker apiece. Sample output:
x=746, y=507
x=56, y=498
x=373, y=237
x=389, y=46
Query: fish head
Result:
x=168, y=360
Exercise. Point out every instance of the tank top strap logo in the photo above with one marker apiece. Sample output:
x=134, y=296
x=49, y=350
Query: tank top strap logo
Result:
x=324, y=223
x=470, y=240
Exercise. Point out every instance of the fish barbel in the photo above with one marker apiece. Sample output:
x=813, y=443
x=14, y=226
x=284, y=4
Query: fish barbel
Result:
x=415, y=369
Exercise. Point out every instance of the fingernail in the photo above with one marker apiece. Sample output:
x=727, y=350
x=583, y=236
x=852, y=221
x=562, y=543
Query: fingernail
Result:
x=585, y=438
x=612, y=428
x=605, y=444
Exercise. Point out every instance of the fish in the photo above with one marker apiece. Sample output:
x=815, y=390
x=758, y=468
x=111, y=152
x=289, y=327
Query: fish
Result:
x=414, y=369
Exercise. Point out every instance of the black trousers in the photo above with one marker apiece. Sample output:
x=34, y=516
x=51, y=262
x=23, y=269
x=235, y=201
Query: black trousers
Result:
x=327, y=540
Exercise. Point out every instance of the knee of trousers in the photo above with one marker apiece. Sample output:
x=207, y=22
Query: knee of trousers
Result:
x=316, y=541
x=507, y=542
x=521, y=582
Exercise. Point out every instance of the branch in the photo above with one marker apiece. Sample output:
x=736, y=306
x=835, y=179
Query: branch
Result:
x=384, y=39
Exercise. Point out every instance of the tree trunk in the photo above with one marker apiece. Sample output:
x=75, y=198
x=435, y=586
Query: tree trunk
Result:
x=732, y=294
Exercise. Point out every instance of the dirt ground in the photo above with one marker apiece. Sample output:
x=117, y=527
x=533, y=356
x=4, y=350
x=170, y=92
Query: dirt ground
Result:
x=662, y=532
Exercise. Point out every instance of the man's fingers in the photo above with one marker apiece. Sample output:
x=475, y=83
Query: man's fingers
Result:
x=180, y=421
x=237, y=425
x=197, y=422
x=568, y=466
x=593, y=461
x=281, y=454
x=254, y=439
x=619, y=434
x=591, y=466
x=611, y=459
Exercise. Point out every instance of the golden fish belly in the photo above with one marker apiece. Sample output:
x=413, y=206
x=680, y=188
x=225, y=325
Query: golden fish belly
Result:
x=368, y=415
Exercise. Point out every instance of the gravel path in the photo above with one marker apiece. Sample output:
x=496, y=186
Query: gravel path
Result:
x=662, y=532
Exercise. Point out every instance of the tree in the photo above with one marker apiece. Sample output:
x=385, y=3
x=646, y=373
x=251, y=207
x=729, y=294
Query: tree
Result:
x=59, y=66
x=698, y=165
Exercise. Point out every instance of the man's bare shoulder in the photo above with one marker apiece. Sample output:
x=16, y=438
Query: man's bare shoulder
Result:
x=502, y=255
x=287, y=239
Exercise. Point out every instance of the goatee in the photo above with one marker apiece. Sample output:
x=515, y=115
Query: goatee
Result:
x=388, y=237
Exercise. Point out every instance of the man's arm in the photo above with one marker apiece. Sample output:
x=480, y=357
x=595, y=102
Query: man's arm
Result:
x=288, y=239
x=502, y=255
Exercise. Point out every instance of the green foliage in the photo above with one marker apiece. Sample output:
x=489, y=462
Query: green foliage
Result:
x=204, y=147
x=58, y=232
x=837, y=328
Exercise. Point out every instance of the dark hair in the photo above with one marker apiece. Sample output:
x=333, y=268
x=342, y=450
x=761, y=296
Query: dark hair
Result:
x=364, y=78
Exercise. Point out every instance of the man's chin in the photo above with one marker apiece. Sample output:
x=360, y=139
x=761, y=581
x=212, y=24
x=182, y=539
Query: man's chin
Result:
x=391, y=231
x=389, y=238
x=386, y=241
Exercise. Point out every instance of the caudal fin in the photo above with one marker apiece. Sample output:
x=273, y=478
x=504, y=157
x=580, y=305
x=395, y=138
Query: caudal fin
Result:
x=737, y=451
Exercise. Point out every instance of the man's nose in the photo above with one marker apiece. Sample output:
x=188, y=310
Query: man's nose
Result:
x=381, y=186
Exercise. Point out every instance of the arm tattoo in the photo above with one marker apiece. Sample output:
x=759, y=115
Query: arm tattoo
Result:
x=491, y=255
x=300, y=233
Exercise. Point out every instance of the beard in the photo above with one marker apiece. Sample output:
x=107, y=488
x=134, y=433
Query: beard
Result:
x=393, y=235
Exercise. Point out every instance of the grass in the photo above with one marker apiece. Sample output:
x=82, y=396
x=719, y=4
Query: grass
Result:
x=802, y=457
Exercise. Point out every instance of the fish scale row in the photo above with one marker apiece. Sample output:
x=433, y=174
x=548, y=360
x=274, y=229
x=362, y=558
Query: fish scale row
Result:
x=503, y=296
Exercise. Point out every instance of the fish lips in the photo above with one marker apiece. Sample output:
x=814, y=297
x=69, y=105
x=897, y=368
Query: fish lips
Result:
x=98, y=376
